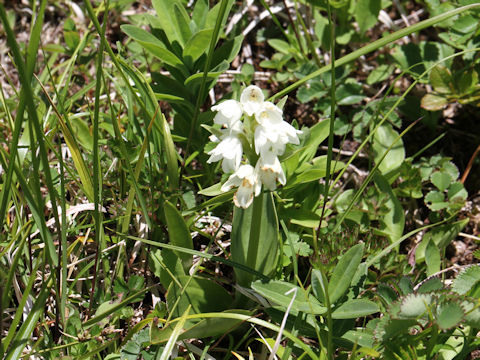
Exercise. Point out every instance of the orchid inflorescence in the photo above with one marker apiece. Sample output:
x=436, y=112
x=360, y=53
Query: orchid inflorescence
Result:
x=263, y=129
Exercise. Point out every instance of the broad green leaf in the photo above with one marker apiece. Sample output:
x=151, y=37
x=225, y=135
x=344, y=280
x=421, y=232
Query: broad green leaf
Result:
x=388, y=328
x=302, y=217
x=344, y=272
x=435, y=200
x=466, y=24
x=317, y=170
x=227, y=51
x=212, y=327
x=255, y=238
x=441, y=180
x=197, y=45
x=454, y=345
x=82, y=132
x=416, y=58
x=433, y=258
x=316, y=135
x=199, y=14
x=467, y=82
x=213, y=14
x=171, y=154
x=182, y=19
x=473, y=313
x=393, y=222
x=167, y=20
x=275, y=291
x=355, y=308
x=202, y=294
x=195, y=79
x=349, y=93
x=441, y=79
x=457, y=191
x=434, y=102
x=153, y=45
x=319, y=285
x=213, y=190
x=366, y=13
x=281, y=46
x=449, y=315
x=383, y=138
x=178, y=232
x=442, y=235
x=380, y=73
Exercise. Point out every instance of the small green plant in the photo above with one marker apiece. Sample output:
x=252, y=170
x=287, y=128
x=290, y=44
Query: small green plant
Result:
x=429, y=320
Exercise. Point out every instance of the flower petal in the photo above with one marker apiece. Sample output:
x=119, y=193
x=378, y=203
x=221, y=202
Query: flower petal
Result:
x=251, y=99
x=228, y=112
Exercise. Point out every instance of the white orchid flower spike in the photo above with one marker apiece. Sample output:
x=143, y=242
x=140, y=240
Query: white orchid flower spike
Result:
x=266, y=132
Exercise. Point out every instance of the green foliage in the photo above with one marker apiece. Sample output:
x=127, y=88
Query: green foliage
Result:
x=118, y=242
x=429, y=319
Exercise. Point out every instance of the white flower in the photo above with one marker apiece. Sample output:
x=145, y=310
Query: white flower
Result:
x=246, y=178
x=228, y=113
x=272, y=136
x=251, y=99
x=230, y=150
x=268, y=114
x=268, y=140
x=269, y=171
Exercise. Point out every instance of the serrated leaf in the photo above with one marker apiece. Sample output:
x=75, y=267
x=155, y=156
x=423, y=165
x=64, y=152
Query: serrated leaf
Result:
x=405, y=285
x=387, y=293
x=466, y=280
x=449, y=315
x=432, y=284
x=275, y=290
x=415, y=305
x=349, y=93
x=472, y=313
x=388, y=328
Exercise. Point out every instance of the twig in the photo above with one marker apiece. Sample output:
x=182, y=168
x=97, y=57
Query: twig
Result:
x=469, y=165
